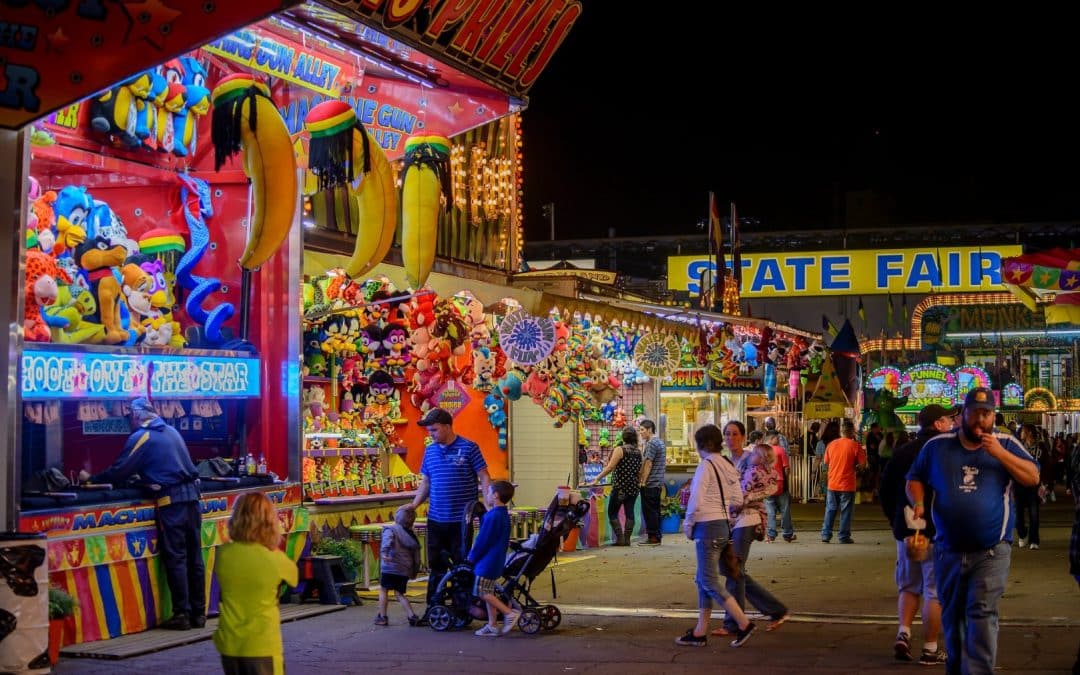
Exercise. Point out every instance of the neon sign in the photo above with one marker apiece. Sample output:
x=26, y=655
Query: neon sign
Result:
x=55, y=374
x=969, y=377
x=1012, y=396
x=928, y=383
x=885, y=377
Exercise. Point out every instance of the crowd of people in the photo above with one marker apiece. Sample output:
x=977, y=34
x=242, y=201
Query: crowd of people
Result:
x=953, y=493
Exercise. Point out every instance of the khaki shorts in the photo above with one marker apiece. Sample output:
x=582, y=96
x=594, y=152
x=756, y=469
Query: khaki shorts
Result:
x=915, y=577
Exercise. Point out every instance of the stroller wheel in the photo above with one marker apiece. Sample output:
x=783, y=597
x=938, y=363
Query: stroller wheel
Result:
x=550, y=616
x=440, y=618
x=530, y=622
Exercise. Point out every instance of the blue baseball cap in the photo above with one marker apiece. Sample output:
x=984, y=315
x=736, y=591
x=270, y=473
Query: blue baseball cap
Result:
x=980, y=398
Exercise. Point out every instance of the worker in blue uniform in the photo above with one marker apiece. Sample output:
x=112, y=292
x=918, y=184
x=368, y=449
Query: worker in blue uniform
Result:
x=157, y=453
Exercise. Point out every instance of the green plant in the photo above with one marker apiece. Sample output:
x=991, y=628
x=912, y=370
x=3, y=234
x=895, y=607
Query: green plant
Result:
x=351, y=552
x=671, y=506
x=61, y=604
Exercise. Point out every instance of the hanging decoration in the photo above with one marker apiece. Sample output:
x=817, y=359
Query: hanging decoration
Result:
x=526, y=339
x=657, y=355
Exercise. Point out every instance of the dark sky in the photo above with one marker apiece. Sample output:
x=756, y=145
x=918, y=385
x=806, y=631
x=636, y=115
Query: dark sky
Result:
x=637, y=118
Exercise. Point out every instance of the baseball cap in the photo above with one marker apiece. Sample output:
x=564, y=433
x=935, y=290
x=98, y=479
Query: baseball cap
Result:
x=933, y=412
x=980, y=398
x=142, y=406
x=436, y=416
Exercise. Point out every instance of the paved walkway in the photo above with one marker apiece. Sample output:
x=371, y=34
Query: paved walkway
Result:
x=625, y=606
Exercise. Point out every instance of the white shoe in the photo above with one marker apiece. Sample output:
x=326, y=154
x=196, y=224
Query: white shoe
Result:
x=487, y=631
x=509, y=621
x=1034, y=547
x=1023, y=542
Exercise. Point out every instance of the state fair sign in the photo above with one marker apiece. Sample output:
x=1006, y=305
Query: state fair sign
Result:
x=49, y=374
x=823, y=273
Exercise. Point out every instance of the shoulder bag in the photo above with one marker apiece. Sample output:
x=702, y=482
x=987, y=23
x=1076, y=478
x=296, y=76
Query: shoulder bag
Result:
x=728, y=557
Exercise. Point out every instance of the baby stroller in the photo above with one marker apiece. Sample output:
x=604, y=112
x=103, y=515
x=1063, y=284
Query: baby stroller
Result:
x=454, y=605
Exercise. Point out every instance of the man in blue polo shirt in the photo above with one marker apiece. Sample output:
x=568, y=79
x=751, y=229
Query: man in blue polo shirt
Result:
x=453, y=472
x=968, y=476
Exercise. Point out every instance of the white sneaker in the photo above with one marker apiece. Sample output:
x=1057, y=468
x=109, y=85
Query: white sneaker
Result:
x=509, y=621
x=488, y=631
x=1034, y=547
x=1023, y=542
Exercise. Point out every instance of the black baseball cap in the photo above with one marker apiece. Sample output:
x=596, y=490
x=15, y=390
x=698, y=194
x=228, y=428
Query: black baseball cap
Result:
x=436, y=416
x=980, y=398
x=933, y=412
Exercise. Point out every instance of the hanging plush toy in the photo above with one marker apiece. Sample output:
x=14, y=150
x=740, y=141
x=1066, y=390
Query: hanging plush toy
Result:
x=196, y=104
x=496, y=410
x=195, y=207
x=246, y=120
x=339, y=145
x=427, y=179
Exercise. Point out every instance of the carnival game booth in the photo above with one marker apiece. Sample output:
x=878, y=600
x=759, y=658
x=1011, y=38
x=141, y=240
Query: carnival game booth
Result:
x=375, y=360
x=142, y=280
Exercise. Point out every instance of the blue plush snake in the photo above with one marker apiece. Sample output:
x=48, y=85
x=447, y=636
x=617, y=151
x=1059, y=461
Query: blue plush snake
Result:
x=195, y=201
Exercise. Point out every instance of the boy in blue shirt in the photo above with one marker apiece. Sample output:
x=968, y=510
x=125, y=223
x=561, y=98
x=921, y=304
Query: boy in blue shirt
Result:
x=488, y=555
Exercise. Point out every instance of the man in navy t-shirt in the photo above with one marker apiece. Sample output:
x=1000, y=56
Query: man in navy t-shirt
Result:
x=968, y=477
x=453, y=470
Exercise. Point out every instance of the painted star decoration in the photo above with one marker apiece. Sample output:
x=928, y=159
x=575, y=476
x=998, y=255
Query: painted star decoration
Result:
x=56, y=41
x=455, y=108
x=148, y=20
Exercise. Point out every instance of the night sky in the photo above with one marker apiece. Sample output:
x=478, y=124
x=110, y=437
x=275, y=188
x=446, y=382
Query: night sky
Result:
x=633, y=123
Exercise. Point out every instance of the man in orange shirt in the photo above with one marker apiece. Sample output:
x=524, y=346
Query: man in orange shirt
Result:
x=842, y=457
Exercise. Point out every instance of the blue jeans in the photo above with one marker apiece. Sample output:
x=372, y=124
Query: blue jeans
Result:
x=746, y=588
x=845, y=502
x=969, y=587
x=784, y=502
x=709, y=540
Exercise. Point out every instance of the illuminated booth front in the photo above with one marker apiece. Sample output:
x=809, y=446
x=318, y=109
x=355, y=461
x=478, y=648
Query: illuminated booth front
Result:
x=159, y=264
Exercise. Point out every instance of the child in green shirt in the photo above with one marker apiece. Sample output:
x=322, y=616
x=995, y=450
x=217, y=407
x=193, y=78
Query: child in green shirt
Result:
x=250, y=570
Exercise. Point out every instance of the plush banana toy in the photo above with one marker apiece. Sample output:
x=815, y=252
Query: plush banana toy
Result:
x=246, y=120
x=427, y=179
x=339, y=143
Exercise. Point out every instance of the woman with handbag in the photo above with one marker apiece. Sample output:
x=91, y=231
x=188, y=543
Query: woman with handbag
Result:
x=748, y=527
x=625, y=463
x=713, y=490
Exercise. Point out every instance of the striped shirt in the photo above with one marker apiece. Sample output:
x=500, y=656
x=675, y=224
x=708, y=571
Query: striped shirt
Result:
x=657, y=453
x=451, y=471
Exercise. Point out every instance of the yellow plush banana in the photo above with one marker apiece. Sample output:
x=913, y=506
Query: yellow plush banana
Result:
x=243, y=105
x=340, y=144
x=427, y=176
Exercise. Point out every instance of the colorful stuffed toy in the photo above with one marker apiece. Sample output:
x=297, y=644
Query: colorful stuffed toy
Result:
x=98, y=258
x=196, y=104
x=42, y=276
x=496, y=410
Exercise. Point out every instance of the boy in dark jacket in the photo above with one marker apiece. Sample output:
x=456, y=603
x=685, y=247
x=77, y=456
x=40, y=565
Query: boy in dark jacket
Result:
x=488, y=555
x=914, y=579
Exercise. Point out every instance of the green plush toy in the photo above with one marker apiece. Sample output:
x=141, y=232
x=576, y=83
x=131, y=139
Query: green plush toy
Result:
x=639, y=409
x=605, y=437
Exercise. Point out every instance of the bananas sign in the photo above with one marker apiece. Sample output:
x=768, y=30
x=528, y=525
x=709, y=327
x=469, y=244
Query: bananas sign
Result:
x=909, y=270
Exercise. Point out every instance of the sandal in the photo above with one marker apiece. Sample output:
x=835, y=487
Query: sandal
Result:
x=381, y=620
x=414, y=620
x=721, y=632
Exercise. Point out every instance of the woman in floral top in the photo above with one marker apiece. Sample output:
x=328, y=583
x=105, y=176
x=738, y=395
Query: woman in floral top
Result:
x=758, y=481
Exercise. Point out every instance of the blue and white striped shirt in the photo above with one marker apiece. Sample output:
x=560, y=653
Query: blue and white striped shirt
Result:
x=451, y=471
